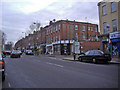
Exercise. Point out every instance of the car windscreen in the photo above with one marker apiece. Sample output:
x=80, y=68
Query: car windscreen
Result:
x=98, y=52
x=29, y=50
x=16, y=51
x=87, y=52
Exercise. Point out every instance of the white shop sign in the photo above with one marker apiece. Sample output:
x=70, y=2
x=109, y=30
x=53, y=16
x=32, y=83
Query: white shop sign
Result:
x=114, y=35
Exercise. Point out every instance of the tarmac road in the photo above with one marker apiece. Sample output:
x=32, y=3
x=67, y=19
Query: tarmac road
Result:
x=51, y=72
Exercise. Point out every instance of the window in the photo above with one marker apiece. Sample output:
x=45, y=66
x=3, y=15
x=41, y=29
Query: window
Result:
x=89, y=28
x=83, y=28
x=92, y=38
x=56, y=28
x=51, y=30
x=114, y=23
x=96, y=37
x=91, y=53
x=104, y=10
x=76, y=27
x=89, y=36
x=83, y=36
x=113, y=6
x=59, y=26
x=87, y=53
x=95, y=29
x=104, y=27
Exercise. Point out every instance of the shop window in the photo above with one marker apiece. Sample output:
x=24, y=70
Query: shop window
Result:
x=115, y=48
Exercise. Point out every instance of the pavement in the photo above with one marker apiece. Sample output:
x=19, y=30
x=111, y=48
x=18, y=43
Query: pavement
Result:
x=70, y=58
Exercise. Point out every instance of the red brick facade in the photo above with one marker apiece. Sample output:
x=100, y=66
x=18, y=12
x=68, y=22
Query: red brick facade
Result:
x=52, y=36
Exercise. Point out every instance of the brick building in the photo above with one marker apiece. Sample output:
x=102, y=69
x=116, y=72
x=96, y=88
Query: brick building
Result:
x=109, y=17
x=58, y=37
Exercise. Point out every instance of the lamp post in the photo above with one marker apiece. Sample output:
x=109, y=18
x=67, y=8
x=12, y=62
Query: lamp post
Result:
x=74, y=55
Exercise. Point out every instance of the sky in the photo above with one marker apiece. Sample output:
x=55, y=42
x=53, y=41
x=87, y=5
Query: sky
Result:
x=16, y=15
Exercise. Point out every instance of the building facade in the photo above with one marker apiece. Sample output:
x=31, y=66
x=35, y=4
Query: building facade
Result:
x=2, y=40
x=59, y=37
x=109, y=17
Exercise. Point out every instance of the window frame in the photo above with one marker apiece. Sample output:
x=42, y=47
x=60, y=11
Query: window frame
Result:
x=83, y=28
x=104, y=10
x=114, y=25
x=113, y=8
x=104, y=27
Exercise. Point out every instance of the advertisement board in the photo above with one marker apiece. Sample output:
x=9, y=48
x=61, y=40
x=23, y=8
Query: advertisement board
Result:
x=77, y=47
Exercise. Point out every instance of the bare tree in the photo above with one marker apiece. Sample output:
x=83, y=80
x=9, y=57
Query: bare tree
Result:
x=35, y=26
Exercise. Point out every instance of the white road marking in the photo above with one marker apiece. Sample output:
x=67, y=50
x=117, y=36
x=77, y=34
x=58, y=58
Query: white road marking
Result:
x=9, y=85
x=52, y=58
x=6, y=74
x=58, y=65
x=55, y=64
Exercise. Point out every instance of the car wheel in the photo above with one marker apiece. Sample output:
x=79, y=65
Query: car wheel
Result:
x=94, y=60
x=80, y=59
x=106, y=62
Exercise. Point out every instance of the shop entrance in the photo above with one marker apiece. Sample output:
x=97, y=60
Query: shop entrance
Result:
x=115, y=49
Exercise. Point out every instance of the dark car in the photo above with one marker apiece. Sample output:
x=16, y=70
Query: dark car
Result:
x=15, y=54
x=6, y=52
x=29, y=52
x=2, y=67
x=95, y=56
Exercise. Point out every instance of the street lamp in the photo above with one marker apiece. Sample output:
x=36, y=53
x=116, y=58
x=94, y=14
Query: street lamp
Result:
x=74, y=55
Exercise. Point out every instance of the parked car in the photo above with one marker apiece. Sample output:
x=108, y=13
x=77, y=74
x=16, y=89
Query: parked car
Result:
x=29, y=52
x=6, y=52
x=2, y=67
x=95, y=56
x=15, y=54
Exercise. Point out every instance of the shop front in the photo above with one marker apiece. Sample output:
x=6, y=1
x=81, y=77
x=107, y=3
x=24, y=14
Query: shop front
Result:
x=115, y=44
x=43, y=48
x=49, y=49
x=62, y=47
x=104, y=40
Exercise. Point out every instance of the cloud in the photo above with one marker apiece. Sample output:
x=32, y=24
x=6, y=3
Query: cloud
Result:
x=17, y=16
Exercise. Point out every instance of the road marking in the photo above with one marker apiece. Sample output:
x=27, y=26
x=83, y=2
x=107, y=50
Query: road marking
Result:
x=55, y=64
x=52, y=58
x=6, y=74
x=9, y=85
x=58, y=65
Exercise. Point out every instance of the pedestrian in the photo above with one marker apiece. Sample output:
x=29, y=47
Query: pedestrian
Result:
x=74, y=55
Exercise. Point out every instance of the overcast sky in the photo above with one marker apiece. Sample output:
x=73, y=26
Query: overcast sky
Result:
x=18, y=15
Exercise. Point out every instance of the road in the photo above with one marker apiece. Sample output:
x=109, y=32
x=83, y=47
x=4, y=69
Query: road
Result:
x=51, y=72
